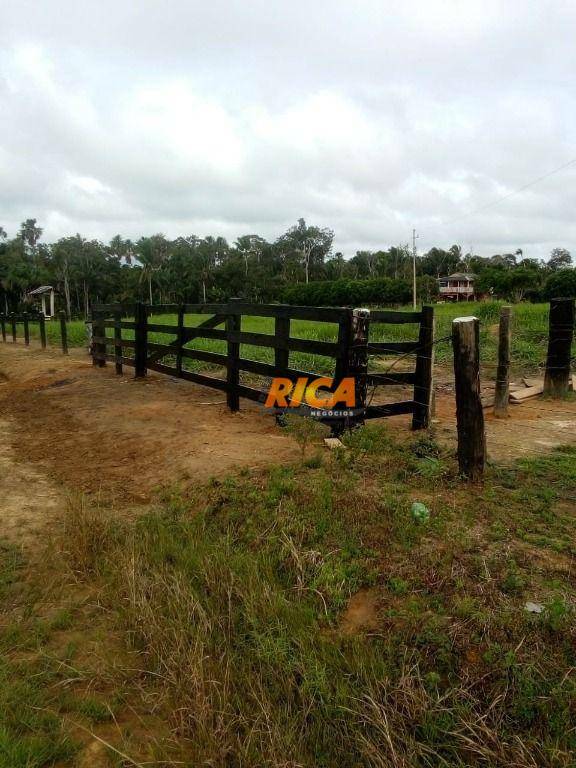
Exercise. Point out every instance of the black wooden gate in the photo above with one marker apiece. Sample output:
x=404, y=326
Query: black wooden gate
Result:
x=133, y=325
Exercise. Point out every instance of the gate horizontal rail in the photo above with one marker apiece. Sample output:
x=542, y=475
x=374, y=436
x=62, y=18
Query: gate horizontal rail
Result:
x=350, y=352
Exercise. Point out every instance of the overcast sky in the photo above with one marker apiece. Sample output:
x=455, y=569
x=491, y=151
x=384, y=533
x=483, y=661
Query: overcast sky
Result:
x=236, y=117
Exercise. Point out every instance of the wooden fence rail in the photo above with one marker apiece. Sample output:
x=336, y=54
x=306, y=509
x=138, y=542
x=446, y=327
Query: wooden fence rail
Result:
x=350, y=352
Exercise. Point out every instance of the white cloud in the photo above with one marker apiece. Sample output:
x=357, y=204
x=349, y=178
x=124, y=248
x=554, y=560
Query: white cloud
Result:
x=231, y=117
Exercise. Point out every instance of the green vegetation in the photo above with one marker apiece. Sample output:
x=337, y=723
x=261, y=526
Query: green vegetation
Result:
x=299, y=267
x=31, y=735
x=232, y=601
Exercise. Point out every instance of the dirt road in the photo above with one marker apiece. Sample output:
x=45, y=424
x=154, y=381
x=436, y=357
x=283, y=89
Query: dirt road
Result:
x=67, y=426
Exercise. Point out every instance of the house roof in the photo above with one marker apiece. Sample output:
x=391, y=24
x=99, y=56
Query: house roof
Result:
x=459, y=276
x=40, y=290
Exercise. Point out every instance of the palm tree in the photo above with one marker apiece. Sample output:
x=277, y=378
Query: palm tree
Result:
x=152, y=254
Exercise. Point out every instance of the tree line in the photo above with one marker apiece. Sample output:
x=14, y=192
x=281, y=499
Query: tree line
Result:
x=300, y=266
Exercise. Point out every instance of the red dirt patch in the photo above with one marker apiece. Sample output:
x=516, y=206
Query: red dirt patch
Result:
x=361, y=615
x=120, y=437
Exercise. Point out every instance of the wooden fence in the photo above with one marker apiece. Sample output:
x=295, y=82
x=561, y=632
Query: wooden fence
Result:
x=9, y=323
x=350, y=352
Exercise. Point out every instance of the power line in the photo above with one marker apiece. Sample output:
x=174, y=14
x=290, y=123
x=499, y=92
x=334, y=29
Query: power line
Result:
x=508, y=195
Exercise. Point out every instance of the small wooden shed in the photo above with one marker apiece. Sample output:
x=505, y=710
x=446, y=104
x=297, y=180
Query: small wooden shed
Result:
x=43, y=298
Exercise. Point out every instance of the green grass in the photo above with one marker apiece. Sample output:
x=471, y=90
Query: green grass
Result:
x=232, y=596
x=31, y=733
x=529, y=336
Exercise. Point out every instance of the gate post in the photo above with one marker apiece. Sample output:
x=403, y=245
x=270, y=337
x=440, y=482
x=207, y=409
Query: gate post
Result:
x=233, y=325
x=141, y=340
x=561, y=330
x=424, y=374
x=469, y=413
x=358, y=361
x=353, y=362
x=13, y=319
x=3, y=327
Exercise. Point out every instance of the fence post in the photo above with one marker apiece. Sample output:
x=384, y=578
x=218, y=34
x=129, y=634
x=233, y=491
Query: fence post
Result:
x=141, y=340
x=26, y=329
x=118, y=345
x=424, y=374
x=180, y=341
x=13, y=319
x=3, y=327
x=63, y=332
x=502, y=391
x=233, y=326
x=42, y=326
x=561, y=330
x=281, y=336
x=469, y=414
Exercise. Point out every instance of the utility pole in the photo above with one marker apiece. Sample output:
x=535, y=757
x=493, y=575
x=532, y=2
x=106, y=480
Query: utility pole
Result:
x=414, y=236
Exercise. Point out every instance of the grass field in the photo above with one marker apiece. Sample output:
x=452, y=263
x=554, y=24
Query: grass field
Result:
x=529, y=335
x=231, y=603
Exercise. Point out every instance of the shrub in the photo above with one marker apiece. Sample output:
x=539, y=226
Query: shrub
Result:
x=560, y=284
x=332, y=293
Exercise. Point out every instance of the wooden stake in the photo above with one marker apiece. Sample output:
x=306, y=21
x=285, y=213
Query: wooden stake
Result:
x=13, y=328
x=560, y=333
x=502, y=391
x=26, y=329
x=469, y=414
x=63, y=332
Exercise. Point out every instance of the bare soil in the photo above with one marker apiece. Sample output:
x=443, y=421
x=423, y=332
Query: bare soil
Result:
x=69, y=427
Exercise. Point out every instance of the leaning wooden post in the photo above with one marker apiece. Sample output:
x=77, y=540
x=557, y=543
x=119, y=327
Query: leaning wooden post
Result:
x=469, y=413
x=561, y=331
x=118, y=342
x=141, y=340
x=26, y=329
x=502, y=391
x=3, y=327
x=63, y=333
x=233, y=326
x=424, y=374
x=42, y=326
x=13, y=320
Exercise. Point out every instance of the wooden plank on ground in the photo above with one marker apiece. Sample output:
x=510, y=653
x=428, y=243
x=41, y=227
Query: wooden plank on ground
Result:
x=528, y=382
x=525, y=394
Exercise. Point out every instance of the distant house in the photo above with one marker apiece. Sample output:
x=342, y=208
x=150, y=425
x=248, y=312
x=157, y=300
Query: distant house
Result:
x=40, y=296
x=458, y=287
